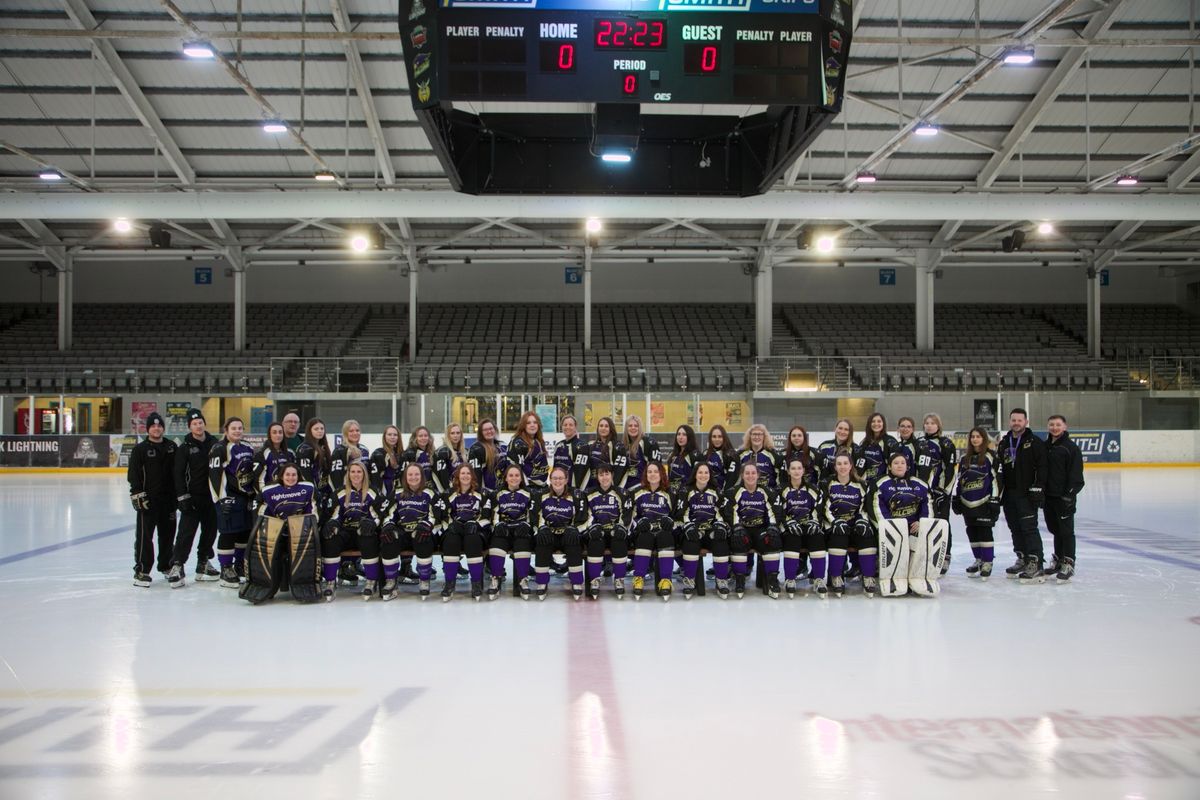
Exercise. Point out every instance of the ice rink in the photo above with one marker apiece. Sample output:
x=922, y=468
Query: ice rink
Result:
x=992, y=690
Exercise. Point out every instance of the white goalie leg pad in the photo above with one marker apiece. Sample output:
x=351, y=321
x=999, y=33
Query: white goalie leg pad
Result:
x=927, y=552
x=893, y=558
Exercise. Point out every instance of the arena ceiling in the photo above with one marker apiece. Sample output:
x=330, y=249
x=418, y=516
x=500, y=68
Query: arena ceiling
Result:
x=100, y=92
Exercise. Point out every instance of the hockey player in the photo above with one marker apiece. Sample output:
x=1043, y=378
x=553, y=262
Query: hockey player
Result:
x=798, y=449
x=196, y=507
x=873, y=455
x=151, y=478
x=683, y=458
x=386, y=462
x=269, y=458
x=977, y=490
x=448, y=457
x=528, y=451
x=281, y=503
x=556, y=514
x=799, y=502
x=650, y=513
x=350, y=450
x=606, y=449
x=1023, y=465
x=639, y=450
x=906, y=442
x=231, y=481
x=420, y=452
x=750, y=512
x=842, y=442
x=313, y=456
x=722, y=458
x=605, y=526
x=1064, y=481
x=352, y=525
x=512, y=507
x=572, y=455
x=896, y=496
x=487, y=457
x=409, y=522
x=758, y=449
x=936, y=459
x=699, y=509
x=844, y=516
x=466, y=514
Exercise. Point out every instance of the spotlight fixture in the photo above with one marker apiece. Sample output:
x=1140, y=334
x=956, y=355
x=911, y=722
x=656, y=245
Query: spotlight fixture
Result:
x=616, y=156
x=50, y=175
x=825, y=243
x=1019, y=56
x=1045, y=228
x=593, y=225
x=360, y=243
x=926, y=129
x=122, y=225
x=324, y=175
x=865, y=177
x=275, y=126
x=160, y=237
x=198, y=50
x=1013, y=242
x=1127, y=180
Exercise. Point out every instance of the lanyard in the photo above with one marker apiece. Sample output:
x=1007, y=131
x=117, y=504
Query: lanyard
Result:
x=1012, y=447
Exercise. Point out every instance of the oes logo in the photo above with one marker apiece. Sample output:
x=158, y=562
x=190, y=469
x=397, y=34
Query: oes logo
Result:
x=663, y=96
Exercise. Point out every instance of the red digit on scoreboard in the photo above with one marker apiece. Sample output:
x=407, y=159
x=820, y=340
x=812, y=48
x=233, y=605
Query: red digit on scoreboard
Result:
x=619, y=32
x=629, y=84
x=656, y=34
x=639, y=34
x=603, y=33
x=566, y=56
x=708, y=59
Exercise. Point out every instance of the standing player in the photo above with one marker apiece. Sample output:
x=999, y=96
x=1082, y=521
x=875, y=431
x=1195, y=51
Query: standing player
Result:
x=528, y=451
x=758, y=449
x=798, y=449
x=751, y=509
x=639, y=450
x=350, y=450
x=936, y=457
x=512, y=507
x=151, y=478
x=271, y=457
x=466, y=514
x=606, y=449
x=196, y=508
x=844, y=514
x=721, y=458
x=977, y=492
x=556, y=513
x=650, y=514
x=448, y=457
x=572, y=455
x=873, y=455
x=896, y=496
x=906, y=442
x=487, y=456
x=386, y=462
x=1023, y=465
x=605, y=526
x=699, y=509
x=231, y=479
x=830, y=449
x=683, y=459
x=1064, y=481
x=799, y=500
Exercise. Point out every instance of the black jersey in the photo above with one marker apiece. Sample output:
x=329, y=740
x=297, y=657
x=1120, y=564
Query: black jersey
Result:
x=191, y=466
x=152, y=469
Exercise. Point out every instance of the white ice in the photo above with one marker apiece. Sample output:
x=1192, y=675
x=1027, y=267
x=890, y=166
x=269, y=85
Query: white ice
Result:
x=992, y=690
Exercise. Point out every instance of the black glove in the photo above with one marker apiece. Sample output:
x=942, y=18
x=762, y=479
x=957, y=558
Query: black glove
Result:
x=570, y=538
x=957, y=504
x=1037, y=497
x=1069, y=503
x=691, y=533
x=140, y=501
x=739, y=538
x=423, y=533
x=185, y=504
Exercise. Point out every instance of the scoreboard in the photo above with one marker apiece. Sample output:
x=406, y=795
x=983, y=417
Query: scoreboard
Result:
x=732, y=52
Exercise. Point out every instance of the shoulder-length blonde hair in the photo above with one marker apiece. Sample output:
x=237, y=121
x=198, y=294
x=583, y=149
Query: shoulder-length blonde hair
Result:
x=352, y=456
x=768, y=444
x=366, y=481
x=461, y=451
x=392, y=454
x=631, y=444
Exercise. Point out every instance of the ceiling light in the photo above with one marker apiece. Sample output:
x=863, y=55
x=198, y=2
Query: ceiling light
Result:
x=616, y=156
x=360, y=243
x=275, y=126
x=324, y=175
x=865, y=177
x=593, y=225
x=926, y=129
x=1045, y=228
x=1019, y=56
x=1127, y=180
x=122, y=225
x=198, y=50
x=826, y=243
x=50, y=175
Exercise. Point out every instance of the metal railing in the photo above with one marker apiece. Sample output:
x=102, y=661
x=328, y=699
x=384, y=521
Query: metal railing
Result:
x=140, y=378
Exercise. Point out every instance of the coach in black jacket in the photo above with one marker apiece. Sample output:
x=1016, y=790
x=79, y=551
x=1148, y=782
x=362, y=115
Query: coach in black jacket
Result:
x=152, y=492
x=1064, y=480
x=1023, y=465
x=196, y=509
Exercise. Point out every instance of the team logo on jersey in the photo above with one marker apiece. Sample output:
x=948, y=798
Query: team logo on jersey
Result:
x=419, y=36
x=423, y=91
x=420, y=64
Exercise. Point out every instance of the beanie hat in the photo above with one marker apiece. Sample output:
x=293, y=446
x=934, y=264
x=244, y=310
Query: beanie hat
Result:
x=154, y=418
x=194, y=413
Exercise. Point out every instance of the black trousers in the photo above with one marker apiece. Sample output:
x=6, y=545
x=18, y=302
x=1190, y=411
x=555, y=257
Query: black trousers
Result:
x=160, y=518
x=1020, y=514
x=204, y=517
x=1060, y=521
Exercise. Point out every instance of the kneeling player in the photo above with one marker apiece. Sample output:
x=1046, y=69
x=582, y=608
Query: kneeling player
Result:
x=751, y=509
x=555, y=515
x=978, y=488
x=698, y=509
x=284, y=543
x=466, y=515
x=801, y=532
x=843, y=512
x=352, y=525
x=605, y=527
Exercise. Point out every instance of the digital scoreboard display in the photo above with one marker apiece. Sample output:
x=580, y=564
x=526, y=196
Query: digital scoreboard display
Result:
x=733, y=52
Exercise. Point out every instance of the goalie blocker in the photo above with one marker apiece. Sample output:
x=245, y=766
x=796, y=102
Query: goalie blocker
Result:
x=911, y=562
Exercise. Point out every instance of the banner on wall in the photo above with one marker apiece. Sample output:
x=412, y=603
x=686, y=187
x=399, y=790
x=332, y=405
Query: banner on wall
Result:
x=54, y=451
x=985, y=414
x=138, y=411
x=548, y=414
x=177, y=417
x=1098, y=447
